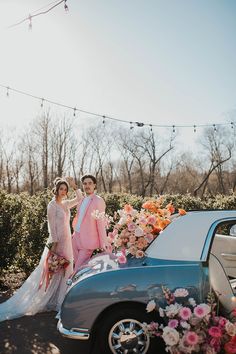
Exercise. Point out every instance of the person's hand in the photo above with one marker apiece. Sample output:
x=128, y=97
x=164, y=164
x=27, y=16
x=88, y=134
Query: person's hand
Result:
x=71, y=182
x=79, y=193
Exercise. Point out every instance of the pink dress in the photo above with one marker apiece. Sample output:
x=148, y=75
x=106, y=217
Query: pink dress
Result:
x=29, y=299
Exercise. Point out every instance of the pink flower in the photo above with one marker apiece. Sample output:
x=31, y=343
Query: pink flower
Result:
x=122, y=259
x=201, y=310
x=138, y=231
x=191, y=338
x=151, y=219
x=215, y=332
x=131, y=226
x=222, y=321
x=185, y=313
x=111, y=236
x=142, y=220
x=215, y=343
x=173, y=323
x=139, y=254
x=132, y=239
x=149, y=237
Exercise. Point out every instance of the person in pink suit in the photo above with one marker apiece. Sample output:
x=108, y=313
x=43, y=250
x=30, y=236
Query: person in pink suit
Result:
x=89, y=231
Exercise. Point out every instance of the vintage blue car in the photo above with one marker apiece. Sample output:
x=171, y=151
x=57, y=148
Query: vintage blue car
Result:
x=106, y=301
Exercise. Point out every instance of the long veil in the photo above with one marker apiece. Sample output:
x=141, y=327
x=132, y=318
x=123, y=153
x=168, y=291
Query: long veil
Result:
x=29, y=299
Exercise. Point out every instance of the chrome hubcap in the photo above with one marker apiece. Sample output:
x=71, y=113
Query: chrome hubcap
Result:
x=127, y=336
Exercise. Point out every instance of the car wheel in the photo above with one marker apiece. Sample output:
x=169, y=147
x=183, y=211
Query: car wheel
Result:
x=121, y=332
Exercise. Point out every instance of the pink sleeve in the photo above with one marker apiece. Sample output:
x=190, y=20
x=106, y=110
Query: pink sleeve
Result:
x=101, y=206
x=52, y=225
x=73, y=202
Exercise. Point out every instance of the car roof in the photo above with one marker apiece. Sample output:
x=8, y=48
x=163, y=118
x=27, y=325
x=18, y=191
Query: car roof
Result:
x=188, y=237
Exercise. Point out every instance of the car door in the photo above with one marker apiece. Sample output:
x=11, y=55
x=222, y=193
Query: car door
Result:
x=224, y=247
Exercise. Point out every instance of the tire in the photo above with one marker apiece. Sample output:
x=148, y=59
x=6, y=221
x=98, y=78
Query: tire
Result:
x=120, y=332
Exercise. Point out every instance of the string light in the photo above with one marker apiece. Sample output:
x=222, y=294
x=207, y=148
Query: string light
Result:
x=132, y=124
x=139, y=124
x=39, y=12
x=66, y=7
x=30, y=22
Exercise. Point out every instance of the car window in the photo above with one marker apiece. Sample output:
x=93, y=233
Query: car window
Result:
x=226, y=229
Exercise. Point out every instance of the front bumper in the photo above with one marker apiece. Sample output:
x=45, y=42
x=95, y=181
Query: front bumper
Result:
x=73, y=333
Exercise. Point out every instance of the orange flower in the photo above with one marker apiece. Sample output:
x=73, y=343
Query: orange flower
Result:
x=163, y=223
x=128, y=208
x=182, y=212
x=170, y=208
x=149, y=205
x=156, y=230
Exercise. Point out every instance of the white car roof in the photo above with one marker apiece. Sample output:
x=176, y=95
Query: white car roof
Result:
x=185, y=237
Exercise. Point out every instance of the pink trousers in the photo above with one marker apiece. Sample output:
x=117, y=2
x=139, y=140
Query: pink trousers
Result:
x=81, y=256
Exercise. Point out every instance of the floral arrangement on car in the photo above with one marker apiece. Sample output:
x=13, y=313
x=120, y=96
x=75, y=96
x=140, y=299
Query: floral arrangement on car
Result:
x=53, y=264
x=130, y=231
x=190, y=328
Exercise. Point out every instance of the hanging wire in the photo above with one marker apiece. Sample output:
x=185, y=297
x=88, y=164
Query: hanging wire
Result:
x=132, y=124
x=36, y=13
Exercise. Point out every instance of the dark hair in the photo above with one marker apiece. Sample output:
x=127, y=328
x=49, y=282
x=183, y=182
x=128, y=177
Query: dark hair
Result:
x=89, y=176
x=57, y=183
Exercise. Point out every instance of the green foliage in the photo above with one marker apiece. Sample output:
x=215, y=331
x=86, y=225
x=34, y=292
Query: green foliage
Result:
x=23, y=221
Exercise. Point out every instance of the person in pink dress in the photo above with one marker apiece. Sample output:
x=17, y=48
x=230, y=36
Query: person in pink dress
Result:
x=89, y=232
x=36, y=295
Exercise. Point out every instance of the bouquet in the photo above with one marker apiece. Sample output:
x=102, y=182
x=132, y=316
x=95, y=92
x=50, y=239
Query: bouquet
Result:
x=53, y=264
x=131, y=231
x=188, y=327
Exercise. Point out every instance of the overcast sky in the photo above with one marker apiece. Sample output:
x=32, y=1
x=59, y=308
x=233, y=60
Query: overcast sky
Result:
x=155, y=61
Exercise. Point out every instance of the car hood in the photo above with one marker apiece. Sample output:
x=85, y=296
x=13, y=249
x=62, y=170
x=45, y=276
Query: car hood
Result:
x=107, y=262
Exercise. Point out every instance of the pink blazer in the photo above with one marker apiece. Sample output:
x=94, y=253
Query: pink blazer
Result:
x=92, y=232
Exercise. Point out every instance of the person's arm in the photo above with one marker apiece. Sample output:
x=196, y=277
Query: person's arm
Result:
x=101, y=225
x=73, y=202
x=79, y=195
x=52, y=226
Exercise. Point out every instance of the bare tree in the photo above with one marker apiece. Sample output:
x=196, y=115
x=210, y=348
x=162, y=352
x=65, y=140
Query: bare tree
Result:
x=219, y=150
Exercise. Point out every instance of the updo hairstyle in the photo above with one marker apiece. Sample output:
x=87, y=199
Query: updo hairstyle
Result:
x=57, y=183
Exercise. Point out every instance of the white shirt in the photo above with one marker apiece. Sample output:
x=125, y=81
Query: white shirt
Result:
x=82, y=210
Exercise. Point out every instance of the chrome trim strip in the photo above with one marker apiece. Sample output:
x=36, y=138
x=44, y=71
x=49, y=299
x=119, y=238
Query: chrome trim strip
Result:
x=73, y=333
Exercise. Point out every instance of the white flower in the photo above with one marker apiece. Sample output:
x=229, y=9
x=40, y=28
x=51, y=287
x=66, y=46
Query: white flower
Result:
x=173, y=309
x=185, y=324
x=192, y=302
x=122, y=220
x=151, y=306
x=161, y=312
x=230, y=328
x=97, y=215
x=170, y=336
x=181, y=292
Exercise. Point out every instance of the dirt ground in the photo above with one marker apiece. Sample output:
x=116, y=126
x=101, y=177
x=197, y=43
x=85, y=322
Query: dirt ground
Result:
x=33, y=334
